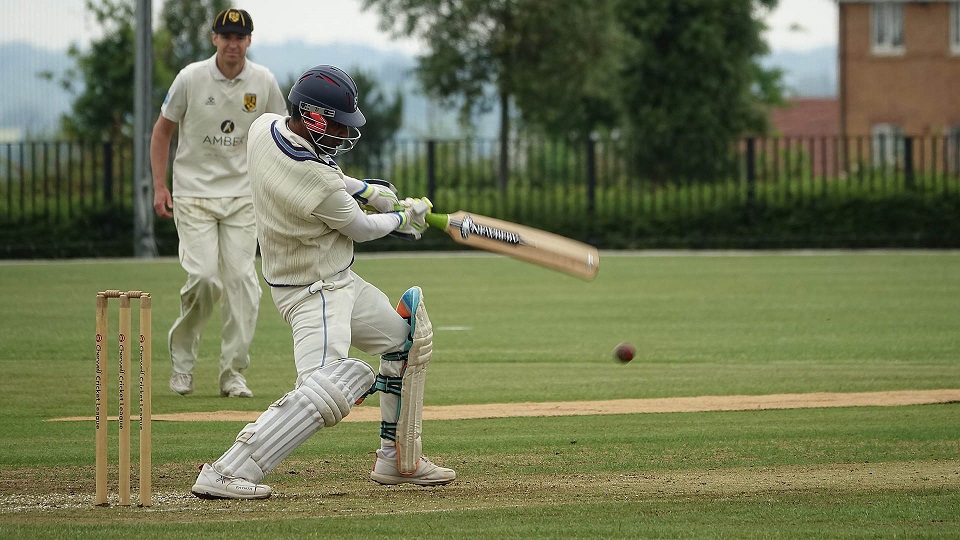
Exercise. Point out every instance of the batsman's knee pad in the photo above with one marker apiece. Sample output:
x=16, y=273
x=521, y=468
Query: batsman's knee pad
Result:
x=419, y=344
x=401, y=381
x=321, y=400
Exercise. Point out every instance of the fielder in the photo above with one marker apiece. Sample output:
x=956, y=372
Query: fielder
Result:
x=308, y=217
x=214, y=102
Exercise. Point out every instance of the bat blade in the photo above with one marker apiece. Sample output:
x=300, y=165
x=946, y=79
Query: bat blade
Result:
x=520, y=242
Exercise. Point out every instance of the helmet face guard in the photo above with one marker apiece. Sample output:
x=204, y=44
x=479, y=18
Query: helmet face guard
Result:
x=317, y=124
x=324, y=94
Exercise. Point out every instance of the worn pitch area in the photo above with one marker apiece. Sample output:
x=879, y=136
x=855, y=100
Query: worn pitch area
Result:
x=365, y=413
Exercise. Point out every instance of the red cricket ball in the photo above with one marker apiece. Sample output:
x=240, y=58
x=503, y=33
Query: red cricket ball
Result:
x=624, y=352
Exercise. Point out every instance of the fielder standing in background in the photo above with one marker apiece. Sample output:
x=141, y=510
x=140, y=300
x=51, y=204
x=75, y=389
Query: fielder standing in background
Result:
x=215, y=101
x=308, y=219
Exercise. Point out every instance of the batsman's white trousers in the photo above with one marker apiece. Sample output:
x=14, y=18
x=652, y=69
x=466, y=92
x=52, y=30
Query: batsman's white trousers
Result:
x=218, y=247
x=329, y=316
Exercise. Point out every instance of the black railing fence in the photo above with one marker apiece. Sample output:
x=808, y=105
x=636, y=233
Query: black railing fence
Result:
x=56, y=182
x=549, y=177
x=569, y=187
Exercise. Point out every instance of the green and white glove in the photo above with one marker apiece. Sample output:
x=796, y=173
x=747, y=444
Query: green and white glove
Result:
x=412, y=212
x=378, y=194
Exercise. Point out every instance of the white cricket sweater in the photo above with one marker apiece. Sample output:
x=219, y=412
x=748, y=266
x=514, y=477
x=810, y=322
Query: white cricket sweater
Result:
x=289, y=181
x=215, y=114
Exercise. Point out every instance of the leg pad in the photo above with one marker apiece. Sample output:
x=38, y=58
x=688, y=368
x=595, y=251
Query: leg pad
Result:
x=322, y=400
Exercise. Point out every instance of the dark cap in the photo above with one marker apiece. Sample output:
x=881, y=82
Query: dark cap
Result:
x=236, y=21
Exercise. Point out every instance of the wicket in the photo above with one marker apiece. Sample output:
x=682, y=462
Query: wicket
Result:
x=101, y=419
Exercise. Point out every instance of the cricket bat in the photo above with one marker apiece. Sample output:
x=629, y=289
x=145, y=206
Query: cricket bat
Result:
x=520, y=242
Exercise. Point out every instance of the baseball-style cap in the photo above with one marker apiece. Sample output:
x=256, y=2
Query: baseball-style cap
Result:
x=232, y=20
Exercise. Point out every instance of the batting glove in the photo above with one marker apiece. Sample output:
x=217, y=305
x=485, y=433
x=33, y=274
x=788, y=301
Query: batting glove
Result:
x=378, y=194
x=412, y=214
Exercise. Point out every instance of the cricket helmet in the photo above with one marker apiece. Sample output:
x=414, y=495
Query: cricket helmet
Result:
x=325, y=93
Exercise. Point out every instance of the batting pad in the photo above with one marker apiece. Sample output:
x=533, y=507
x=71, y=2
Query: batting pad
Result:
x=410, y=420
x=322, y=400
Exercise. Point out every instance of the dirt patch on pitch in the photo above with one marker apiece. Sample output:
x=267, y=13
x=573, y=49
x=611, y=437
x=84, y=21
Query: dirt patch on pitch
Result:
x=368, y=413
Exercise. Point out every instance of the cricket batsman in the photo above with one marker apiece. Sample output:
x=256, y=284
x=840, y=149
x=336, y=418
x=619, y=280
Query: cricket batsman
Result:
x=308, y=218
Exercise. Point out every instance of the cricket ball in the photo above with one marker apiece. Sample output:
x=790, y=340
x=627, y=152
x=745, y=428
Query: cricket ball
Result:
x=624, y=352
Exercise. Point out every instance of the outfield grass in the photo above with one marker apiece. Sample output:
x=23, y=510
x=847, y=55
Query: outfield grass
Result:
x=508, y=332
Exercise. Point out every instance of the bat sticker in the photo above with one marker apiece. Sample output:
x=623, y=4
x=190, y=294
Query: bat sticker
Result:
x=467, y=227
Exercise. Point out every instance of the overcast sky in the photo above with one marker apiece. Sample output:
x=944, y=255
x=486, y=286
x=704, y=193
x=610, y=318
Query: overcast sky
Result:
x=796, y=24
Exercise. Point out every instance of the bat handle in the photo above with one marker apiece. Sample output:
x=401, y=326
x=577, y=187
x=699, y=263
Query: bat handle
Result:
x=437, y=221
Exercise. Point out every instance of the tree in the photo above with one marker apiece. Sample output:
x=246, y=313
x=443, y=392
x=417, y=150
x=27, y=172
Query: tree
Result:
x=565, y=55
x=691, y=83
x=546, y=58
x=102, y=81
x=384, y=117
x=187, y=26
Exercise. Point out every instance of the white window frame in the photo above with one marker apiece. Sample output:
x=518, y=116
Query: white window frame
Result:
x=955, y=27
x=886, y=144
x=886, y=28
x=952, y=135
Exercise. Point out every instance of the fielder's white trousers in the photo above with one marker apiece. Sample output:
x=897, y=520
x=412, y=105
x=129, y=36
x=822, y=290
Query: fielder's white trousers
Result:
x=218, y=247
x=331, y=315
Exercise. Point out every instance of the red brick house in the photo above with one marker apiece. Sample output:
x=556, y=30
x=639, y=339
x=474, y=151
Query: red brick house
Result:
x=899, y=75
x=807, y=117
x=808, y=128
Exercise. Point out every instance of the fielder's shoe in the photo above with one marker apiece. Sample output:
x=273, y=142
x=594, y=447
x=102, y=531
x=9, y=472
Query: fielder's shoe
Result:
x=181, y=383
x=213, y=485
x=237, y=390
x=427, y=474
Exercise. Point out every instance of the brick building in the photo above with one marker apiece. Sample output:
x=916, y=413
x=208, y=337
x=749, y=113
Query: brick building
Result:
x=899, y=68
x=810, y=126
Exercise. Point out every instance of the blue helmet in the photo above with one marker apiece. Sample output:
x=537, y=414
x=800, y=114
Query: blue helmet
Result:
x=326, y=93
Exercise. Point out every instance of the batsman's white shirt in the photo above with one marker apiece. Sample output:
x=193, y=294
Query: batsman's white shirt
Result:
x=289, y=182
x=215, y=114
x=301, y=201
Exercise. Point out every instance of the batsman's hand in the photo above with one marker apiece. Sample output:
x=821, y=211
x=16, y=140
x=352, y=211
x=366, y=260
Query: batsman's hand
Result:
x=413, y=214
x=378, y=194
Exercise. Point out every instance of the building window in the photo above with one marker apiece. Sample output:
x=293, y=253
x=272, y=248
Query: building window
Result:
x=952, y=150
x=886, y=146
x=955, y=27
x=887, y=27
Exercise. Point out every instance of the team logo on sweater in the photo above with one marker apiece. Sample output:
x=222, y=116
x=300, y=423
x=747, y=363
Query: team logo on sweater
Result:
x=249, y=102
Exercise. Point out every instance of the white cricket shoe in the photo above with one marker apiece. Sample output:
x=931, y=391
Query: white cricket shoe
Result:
x=181, y=383
x=213, y=485
x=427, y=474
x=237, y=390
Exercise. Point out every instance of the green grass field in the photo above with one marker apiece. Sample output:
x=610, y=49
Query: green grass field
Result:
x=508, y=332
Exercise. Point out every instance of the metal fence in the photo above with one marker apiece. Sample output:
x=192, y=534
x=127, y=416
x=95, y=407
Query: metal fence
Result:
x=57, y=182
x=554, y=184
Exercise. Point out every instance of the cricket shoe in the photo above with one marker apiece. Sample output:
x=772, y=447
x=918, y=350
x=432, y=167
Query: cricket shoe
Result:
x=237, y=390
x=213, y=485
x=427, y=474
x=181, y=383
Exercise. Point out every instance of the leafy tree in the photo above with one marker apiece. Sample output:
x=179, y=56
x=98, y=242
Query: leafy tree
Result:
x=565, y=54
x=102, y=81
x=544, y=57
x=691, y=83
x=187, y=26
x=384, y=117
x=103, y=76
